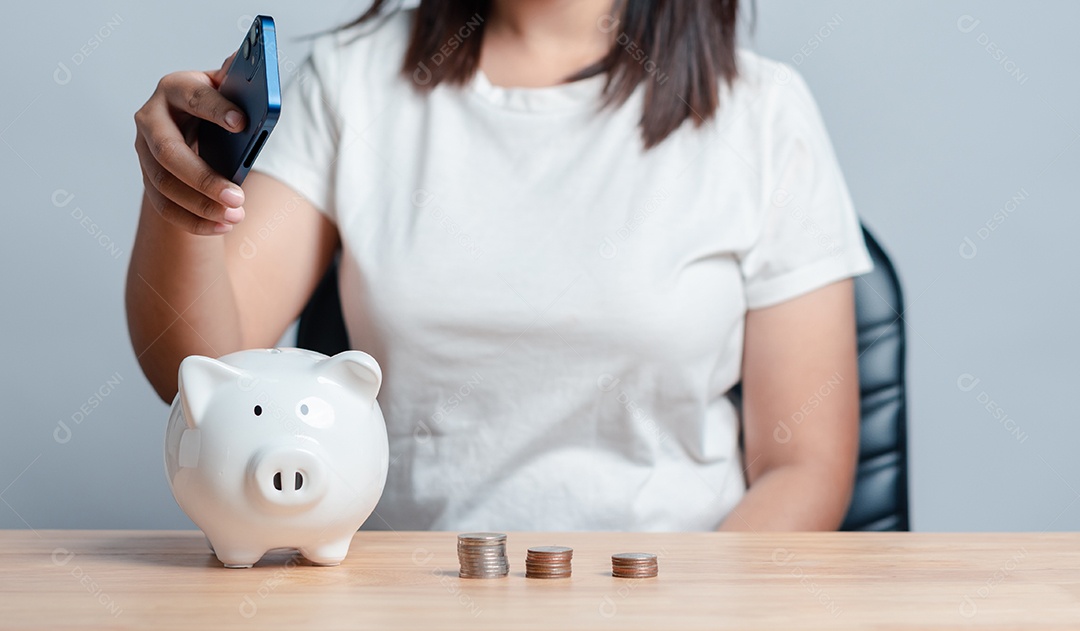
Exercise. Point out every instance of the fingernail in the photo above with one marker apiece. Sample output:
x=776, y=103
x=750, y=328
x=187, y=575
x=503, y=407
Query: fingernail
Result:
x=233, y=118
x=222, y=227
x=232, y=197
x=234, y=215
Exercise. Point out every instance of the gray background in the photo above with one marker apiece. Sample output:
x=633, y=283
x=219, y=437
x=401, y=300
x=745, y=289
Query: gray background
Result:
x=941, y=112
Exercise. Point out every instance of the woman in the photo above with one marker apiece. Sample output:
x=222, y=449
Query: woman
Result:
x=568, y=229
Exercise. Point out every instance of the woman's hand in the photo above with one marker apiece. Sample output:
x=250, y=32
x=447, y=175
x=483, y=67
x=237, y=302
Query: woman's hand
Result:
x=179, y=184
x=194, y=295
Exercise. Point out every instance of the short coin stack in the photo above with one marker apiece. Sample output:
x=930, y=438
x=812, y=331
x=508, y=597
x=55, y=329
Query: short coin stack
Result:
x=482, y=555
x=634, y=565
x=548, y=562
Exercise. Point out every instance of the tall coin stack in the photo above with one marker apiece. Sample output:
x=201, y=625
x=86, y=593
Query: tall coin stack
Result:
x=634, y=565
x=482, y=555
x=548, y=562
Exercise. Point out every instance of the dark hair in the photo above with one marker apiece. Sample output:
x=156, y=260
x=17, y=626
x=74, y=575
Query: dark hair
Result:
x=680, y=49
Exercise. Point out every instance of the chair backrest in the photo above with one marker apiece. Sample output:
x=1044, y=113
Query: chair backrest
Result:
x=880, y=501
x=322, y=325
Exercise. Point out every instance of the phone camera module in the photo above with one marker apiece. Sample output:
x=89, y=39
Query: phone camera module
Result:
x=245, y=49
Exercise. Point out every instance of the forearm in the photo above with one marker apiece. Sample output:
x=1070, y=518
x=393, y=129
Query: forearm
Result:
x=179, y=299
x=791, y=498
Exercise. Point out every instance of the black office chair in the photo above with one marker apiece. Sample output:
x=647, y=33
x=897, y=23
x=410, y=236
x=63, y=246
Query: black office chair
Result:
x=322, y=325
x=880, y=501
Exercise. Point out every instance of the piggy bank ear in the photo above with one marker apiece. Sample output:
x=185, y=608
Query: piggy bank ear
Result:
x=355, y=370
x=199, y=378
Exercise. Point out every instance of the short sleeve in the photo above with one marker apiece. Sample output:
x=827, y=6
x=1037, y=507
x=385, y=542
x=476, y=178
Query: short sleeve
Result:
x=808, y=234
x=303, y=147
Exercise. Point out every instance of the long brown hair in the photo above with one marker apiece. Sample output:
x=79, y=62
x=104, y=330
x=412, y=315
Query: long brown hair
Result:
x=680, y=49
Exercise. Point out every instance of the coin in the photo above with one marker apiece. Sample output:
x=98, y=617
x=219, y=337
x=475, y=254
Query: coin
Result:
x=482, y=555
x=548, y=562
x=471, y=537
x=634, y=565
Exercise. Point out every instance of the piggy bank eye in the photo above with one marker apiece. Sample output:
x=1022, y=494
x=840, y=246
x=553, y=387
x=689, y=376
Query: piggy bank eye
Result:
x=315, y=412
x=258, y=410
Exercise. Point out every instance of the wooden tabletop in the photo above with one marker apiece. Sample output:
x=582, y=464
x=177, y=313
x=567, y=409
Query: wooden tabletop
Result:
x=142, y=579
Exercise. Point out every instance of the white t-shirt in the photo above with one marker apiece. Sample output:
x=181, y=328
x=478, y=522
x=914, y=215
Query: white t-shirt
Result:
x=559, y=313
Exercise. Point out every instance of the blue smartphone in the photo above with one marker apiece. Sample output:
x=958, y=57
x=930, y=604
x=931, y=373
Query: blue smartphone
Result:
x=252, y=83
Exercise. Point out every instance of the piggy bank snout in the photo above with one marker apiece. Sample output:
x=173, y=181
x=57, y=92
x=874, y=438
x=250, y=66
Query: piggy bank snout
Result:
x=288, y=478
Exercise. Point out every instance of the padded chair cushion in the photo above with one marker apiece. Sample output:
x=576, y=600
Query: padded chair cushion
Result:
x=322, y=325
x=880, y=501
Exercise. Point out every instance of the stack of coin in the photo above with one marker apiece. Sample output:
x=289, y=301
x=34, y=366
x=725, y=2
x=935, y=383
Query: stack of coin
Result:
x=634, y=565
x=482, y=555
x=548, y=562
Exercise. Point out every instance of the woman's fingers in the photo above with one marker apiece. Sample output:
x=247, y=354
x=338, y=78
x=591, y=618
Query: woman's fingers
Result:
x=180, y=217
x=217, y=76
x=179, y=183
x=165, y=142
x=181, y=194
x=195, y=94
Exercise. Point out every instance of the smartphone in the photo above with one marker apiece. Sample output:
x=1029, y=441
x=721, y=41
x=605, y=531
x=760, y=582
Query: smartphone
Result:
x=252, y=83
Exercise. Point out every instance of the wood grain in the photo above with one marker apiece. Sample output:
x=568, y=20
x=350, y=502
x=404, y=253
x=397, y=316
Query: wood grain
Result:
x=170, y=580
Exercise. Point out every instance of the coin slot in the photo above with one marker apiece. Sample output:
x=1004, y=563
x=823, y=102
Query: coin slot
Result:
x=256, y=149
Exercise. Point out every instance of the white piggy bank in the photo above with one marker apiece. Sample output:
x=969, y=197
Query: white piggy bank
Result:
x=277, y=448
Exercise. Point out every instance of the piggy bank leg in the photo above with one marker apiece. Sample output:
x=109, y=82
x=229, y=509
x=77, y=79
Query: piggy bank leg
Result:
x=332, y=553
x=236, y=555
x=238, y=558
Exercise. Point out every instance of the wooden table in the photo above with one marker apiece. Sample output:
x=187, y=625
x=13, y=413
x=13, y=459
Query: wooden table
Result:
x=117, y=579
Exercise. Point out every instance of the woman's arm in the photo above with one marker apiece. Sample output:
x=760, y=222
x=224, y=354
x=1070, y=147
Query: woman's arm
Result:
x=212, y=295
x=800, y=412
x=201, y=281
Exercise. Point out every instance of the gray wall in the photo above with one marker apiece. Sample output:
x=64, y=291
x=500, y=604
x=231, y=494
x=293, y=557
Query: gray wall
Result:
x=945, y=115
